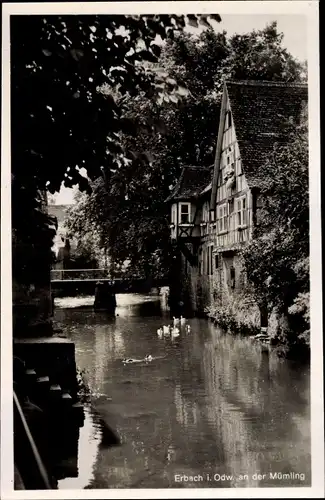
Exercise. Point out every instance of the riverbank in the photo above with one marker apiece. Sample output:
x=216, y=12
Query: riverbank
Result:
x=289, y=346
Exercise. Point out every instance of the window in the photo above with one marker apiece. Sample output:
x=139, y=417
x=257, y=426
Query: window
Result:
x=229, y=156
x=204, y=258
x=222, y=218
x=228, y=120
x=185, y=213
x=210, y=259
x=232, y=276
x=207, y=253
x=238, y=165
x=207, y=267
x=241, y=212
x=174, y=214
x=205, y=213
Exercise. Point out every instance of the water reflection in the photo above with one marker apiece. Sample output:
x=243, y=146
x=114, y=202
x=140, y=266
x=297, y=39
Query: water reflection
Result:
x=256, y=403
x=89, y=440
x=209, y=404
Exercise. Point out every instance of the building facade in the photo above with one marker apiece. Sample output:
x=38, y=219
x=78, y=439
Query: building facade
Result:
x=63, y=245
x=214, y=211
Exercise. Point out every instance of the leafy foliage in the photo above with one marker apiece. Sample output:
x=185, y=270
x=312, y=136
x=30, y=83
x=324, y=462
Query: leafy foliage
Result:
x=128, y=207
x=277, y=259
x=61, y=120
x=90, y=249
x=32, y=235
x=63, y=62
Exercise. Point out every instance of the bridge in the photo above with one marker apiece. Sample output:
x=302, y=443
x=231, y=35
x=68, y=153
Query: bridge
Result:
x=72, y=282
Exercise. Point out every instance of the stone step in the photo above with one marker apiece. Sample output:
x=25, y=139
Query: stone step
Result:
x=66, y=399
x=78, y=413
x=55, y=388
x=78, y=407
x=30, y=372
x=55, y=392
x=41, y=390
x=29, y=381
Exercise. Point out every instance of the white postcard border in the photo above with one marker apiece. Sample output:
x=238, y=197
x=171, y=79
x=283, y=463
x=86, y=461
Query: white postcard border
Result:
x=310, y=10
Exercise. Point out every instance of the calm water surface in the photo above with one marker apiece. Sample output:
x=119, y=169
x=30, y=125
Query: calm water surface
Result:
x=211, y=405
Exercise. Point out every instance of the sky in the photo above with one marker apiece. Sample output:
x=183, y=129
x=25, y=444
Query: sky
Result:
x=294, y=28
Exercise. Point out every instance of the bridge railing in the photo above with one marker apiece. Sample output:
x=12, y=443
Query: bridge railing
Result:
x=80, y=274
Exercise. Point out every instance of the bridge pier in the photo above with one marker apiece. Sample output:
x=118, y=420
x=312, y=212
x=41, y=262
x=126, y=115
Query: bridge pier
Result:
x=105, y=297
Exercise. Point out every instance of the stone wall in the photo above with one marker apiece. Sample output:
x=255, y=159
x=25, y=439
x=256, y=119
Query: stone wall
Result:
x=232, y=293
x=224, y=293
x=32, y=309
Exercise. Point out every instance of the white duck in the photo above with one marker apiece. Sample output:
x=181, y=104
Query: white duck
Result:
x=128, y=360
x=182, y=320
x=166, y=330
x=175, y=331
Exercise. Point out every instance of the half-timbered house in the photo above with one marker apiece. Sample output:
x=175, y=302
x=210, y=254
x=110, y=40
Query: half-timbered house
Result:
x=215, y=216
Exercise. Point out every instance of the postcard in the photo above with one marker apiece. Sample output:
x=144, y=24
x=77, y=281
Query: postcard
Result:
x=161, y=250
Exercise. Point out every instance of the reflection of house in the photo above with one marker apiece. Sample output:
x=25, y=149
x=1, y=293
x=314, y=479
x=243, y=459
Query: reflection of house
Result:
x=62, y=244
x=213, y=215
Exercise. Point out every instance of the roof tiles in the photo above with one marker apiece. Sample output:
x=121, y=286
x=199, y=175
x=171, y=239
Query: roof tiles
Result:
x=261, y=112
x=192, y=182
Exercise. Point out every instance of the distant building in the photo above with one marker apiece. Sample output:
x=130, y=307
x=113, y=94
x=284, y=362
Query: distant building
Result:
x=63, y=245
x=214, y=210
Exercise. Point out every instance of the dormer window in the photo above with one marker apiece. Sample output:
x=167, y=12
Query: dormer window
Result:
x=182, y=221
x=185, y=213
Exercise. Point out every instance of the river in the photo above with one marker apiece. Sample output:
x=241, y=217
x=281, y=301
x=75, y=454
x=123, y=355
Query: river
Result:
x=210, y=410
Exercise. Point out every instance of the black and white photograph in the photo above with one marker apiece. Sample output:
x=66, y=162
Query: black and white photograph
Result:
x=160, y=256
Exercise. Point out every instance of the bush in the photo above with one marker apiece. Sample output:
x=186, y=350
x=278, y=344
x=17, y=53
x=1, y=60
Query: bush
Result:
x=83, y=387
x=236, y=316
x=300, y=314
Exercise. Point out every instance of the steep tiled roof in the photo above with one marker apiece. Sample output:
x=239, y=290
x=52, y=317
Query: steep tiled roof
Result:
x=192, y=182
x=261, y=111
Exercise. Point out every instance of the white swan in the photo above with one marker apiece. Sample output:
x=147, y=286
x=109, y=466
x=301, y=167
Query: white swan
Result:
x=183, y=320
x=176, y=320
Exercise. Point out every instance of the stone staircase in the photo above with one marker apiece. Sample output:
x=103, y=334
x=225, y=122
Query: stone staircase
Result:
x=54, y=416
